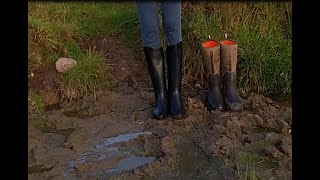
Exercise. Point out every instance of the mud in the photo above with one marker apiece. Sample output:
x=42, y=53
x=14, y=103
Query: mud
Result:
x=114, y=137
x=44, y=81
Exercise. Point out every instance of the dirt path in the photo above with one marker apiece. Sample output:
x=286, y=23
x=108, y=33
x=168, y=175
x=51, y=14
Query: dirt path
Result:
x=113, y=136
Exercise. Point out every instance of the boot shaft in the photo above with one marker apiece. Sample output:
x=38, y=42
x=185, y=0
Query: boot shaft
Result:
x=155, y=62
x=211, y=55
x=174, y=64
x=229, y=55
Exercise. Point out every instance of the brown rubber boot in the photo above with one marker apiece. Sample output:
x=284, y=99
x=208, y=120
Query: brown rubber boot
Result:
x=211, y=56
x=229, y=53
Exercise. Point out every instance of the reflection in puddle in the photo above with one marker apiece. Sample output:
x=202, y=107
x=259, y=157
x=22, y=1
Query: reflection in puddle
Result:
x=121, y=138
x=108, y=149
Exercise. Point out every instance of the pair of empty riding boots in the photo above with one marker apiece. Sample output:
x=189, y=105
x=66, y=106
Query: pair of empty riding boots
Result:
x=221, y=64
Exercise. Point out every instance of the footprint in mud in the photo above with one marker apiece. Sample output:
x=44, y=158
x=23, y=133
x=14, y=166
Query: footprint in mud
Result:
x=108, y=157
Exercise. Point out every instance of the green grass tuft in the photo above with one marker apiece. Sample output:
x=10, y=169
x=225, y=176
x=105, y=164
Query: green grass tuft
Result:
x=35, y=103
x=88, y=76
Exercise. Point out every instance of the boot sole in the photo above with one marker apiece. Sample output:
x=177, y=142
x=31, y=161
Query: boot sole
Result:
x=220, y=108
x=159, y=117
x=177, y=116
x=235, y=108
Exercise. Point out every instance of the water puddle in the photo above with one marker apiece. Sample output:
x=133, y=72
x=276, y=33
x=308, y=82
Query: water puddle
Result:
x=109, y=149
x=120, y=138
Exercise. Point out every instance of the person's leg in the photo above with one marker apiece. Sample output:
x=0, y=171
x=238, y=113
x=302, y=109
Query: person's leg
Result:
x=147, y=12
x=171, y=17
x=149, y=24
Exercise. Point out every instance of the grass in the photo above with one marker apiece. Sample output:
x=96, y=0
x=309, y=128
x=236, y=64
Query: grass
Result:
x=89, y=76
x=249, y=172
x=35, y=102
x=262, y=30
x=252, y=163
x=263, y=33
x=56, y=29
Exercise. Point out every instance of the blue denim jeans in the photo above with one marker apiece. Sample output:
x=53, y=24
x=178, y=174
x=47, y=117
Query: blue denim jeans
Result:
x=149, y=23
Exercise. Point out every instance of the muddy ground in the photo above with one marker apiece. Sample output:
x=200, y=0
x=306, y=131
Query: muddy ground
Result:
x=113, y=137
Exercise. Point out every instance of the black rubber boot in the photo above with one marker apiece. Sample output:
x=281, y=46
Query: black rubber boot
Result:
x=229, y=51
x=154, y=58
x=211, y=56
x=174, y=62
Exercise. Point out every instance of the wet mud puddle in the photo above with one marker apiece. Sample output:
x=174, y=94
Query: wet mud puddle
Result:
x=111, y=156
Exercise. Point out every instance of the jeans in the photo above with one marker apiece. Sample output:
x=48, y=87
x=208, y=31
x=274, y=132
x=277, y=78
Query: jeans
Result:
x=149, y=23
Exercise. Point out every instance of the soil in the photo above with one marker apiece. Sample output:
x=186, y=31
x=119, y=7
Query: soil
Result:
x=44, y=81
x=112, y=136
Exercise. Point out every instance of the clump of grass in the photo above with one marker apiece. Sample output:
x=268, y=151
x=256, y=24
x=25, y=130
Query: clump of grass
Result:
x=88, y=76
x=263, y=33
x=35, y=103
x=254, y=166
x=249, y=172
x=252, y=163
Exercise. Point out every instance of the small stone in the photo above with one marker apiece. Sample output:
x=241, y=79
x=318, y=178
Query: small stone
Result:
x=244, y=95
x=247, y=139
x=198, y=86
x=269, y=101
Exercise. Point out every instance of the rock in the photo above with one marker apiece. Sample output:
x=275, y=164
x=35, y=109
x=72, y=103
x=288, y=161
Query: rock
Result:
x=244, y=95
x=257, y=101
x=195, y=103
x=247, y=139
x=64, y=64
x=273, y=152
x=269, y=101
x=198, y=86
x=285, y=147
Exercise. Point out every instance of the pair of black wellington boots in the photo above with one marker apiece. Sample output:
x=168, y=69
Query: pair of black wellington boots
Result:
x=167, y=99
